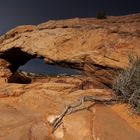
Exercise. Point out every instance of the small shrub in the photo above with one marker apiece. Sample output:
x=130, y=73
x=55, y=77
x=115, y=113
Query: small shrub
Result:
x=127, y=85
x=101, y=15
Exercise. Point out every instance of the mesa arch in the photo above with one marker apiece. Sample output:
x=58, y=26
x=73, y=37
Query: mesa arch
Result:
x=95, y=46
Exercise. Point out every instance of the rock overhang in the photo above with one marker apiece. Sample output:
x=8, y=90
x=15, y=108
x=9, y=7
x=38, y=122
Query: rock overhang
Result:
x=96, y=46
x=16, y=57
x=30, y=106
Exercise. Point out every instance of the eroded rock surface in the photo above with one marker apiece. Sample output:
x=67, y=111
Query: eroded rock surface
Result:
x=5, y=72
x=97, y=47
x=27, y=111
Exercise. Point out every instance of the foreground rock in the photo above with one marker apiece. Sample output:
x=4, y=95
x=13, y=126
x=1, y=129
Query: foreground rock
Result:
x=26, y=112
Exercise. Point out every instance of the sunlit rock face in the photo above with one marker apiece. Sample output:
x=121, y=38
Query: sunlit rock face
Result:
x=96, y=47
x=5, y=72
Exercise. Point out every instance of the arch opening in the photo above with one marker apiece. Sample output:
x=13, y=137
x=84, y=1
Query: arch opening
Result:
x=16, y=57
x=25, y=66
x=37, y=66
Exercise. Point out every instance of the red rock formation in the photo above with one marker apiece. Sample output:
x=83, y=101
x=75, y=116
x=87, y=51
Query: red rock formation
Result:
x=96, y=46
x=5, y=72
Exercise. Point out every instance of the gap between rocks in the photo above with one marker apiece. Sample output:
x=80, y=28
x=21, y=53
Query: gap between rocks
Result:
x=17, y=58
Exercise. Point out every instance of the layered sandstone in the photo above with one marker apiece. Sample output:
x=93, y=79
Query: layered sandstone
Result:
x=27, y=111
x=5, y=72
x=97, y=47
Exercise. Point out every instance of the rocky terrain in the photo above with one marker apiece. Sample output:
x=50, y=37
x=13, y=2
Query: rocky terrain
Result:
x=99, y=48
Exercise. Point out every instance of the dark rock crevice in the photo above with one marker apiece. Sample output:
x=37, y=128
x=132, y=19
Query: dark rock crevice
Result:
x=16, y=57
x=18, y=77
x=74, y=65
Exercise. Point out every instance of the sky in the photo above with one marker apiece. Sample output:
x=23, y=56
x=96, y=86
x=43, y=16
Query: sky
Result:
x=39, y=66
x=24, y=12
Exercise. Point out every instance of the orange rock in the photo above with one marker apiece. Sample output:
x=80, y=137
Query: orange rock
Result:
x=97, y=47
x=102, y=44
